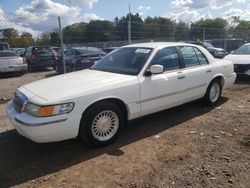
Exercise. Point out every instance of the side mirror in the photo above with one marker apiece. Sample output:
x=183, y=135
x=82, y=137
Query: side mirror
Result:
x=155, y=69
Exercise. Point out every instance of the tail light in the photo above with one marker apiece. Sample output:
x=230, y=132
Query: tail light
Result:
x=33, y=56
x=24, y=61
x=55, y=56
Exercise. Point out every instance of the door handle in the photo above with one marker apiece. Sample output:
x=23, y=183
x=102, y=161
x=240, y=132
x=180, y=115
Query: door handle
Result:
x=208, y=71
x=181, y=77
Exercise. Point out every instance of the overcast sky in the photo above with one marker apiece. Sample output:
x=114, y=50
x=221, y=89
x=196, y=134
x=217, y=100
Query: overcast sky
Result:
x=39, y=15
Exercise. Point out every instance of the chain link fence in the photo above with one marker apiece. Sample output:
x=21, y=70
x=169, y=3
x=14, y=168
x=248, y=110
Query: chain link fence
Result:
x=30, y=46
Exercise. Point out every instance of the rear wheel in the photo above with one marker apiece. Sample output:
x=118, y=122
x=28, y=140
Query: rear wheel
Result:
x=21, y=73
x=30, y=68
x=213, y=93
x=101, y=124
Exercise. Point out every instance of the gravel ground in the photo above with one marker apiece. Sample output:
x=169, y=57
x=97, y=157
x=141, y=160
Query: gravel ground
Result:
x=9, y=82
x=187, y=146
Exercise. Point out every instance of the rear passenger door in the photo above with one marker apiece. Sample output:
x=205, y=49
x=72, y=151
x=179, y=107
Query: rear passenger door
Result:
x=197, y=72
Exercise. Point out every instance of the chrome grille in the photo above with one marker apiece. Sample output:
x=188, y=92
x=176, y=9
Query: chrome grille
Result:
x=19, y=101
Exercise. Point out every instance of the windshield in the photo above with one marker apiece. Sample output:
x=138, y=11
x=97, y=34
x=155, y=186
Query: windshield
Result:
x=208, y=45
x=89, y=51
x=124, y=61
x=42, y=49
x=245, y=49
x=8, y=54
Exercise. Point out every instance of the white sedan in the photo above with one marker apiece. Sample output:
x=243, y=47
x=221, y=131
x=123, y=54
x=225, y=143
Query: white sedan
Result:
x=11, y=62
x=128, y=83
x=241, y=59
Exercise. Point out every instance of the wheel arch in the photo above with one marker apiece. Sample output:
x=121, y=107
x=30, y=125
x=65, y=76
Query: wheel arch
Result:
x=120, y=103
x=219, y=77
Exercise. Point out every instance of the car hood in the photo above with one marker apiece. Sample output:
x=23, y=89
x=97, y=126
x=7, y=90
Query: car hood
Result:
x=238, y=59
x=73, y=85
x=215, y=49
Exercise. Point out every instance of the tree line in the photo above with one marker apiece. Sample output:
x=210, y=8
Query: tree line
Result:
x=148, y=28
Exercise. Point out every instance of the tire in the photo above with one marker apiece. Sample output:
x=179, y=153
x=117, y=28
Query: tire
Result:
x=21, y=73
x=68, y=68
x=213, y=93
x=73, y=69
x=30, y=68
x=101, y=124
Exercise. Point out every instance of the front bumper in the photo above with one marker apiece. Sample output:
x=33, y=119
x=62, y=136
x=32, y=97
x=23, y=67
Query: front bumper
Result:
x=43, y=64
x=14, y=68
x=242, y=69
x=42, y=130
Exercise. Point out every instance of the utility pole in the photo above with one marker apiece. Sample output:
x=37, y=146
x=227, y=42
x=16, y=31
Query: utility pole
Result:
x=129, y=25
x=204, y=34
x=174, y=32
x=62, y=45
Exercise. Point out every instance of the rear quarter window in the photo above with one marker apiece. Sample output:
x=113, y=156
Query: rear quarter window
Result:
x=201, y=57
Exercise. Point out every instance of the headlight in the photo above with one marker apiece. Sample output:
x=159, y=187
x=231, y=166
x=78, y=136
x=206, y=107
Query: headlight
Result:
x=44, y=111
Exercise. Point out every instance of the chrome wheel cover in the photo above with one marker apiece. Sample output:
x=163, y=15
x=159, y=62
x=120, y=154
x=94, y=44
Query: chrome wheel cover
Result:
x=105, y=125
x=214, y=93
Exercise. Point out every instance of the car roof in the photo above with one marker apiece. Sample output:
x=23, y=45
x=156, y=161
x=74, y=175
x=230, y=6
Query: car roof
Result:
x=39, y=47
x=157, y=44
x=6, y=51
x=85, y=48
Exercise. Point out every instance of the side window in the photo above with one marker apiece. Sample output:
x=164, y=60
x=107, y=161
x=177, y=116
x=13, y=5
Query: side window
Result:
x=168, y=58
x=73, y=52
x=26, y=52
x=189, y=56
x=69, y=52
x=202, y=59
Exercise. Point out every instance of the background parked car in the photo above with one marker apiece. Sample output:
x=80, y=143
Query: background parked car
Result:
x=4, y=46
x=216, y=52
x=57, y=51
x=241, y=59
x=39, y=57
x=109, y=49
x=231, y=44
x=79, y=58
x=19, y=51
x=12, y=62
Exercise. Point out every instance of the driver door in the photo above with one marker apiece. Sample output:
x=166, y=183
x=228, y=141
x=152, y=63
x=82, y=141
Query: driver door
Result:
x=164, y=90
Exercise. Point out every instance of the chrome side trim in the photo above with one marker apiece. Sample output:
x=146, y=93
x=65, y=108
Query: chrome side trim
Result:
x=39, y=124
x=170, y=94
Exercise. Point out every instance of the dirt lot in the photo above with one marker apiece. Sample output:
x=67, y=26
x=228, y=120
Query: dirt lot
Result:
x=9, y=82
x=187, y=146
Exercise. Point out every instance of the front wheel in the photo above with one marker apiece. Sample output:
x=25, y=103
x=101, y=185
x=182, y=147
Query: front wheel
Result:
x=213, y=93
x=101, y=124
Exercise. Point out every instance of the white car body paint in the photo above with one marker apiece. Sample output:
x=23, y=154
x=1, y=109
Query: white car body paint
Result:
x=142, y=95
x=12, y=64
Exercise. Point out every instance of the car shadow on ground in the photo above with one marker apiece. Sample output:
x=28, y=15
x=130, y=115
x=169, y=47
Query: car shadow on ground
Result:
x=22, y=160
x=11, y=75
